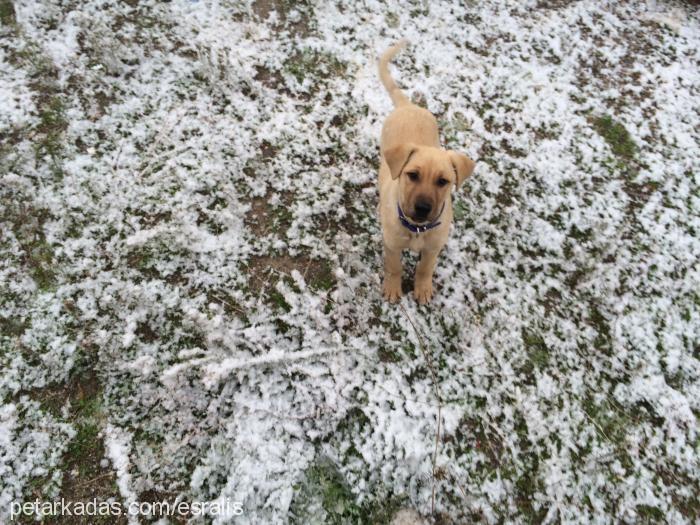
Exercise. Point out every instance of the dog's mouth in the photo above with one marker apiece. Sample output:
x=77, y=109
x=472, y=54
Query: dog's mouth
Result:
x=423, y=217
x=418, y=219
x=413, y=217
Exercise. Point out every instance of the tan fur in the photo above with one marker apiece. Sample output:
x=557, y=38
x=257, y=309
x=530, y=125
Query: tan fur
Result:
x=410, y=144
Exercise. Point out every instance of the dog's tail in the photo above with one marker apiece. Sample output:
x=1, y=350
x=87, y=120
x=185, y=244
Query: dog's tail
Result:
x=397, y=96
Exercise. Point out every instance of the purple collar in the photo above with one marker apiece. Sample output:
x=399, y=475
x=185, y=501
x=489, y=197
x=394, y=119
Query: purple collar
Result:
x=418, y=228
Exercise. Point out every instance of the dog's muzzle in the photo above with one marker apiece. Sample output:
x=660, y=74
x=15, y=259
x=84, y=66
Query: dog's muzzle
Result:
x=418, y=228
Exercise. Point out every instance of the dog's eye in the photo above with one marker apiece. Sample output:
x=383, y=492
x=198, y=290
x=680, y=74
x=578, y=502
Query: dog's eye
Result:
x=442, y=182
x=413, y=175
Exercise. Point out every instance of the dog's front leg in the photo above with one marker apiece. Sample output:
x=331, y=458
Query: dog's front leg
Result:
x=392, y=274
x=423, y=287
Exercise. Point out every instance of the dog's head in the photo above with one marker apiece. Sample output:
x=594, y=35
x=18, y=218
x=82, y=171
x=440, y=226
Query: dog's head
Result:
x=426, y=175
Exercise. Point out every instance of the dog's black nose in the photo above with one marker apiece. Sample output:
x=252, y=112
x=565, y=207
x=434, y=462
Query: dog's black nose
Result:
x=423, y=208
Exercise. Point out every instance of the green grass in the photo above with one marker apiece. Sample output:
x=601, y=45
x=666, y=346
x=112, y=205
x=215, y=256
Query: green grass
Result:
x=278, y=300
x=81, y=475
x=452, y=128
x=325, y=484
x=612, y=424
x=83, y=444
x=537, y=352
x=52, y=114
x=12, y=327
x=310, y=63
x=650, y=514
x=336, y=496
x=526, y=487
x=459, y=209
x=86, y=449
x=321, y=277
x=48, y=133
x=617, y=137
x=40, y=66
x=7, y=12
x=579, y=235
x=387, y=355
x=82, y=398
x=27, y=224
x=41, y=263
x=52, y=124
x=603, y=340
x=282, y=217
x=27, y=220
x=392, y=20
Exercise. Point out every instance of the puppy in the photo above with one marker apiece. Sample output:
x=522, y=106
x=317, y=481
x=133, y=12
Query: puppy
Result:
x=416, y=177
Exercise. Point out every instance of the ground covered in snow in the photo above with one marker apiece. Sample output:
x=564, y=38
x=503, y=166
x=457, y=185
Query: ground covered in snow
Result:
x=190, y=261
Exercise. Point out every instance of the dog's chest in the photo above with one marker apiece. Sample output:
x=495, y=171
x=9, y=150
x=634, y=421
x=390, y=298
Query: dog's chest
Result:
x=415, y=242
x=404, y=239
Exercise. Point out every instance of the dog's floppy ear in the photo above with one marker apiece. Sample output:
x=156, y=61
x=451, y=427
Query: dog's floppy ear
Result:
x=463, y=166
x=398, y=156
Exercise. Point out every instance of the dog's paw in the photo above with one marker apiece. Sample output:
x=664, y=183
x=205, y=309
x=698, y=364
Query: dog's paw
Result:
x=392, y=290
x=423, y=292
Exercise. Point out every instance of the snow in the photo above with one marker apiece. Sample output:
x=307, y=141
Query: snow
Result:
x=117, y=448
x=204, y=139
x=31, y=445
x=16, y=104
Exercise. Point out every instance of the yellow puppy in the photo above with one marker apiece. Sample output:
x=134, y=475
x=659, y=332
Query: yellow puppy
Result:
x=415, y=181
